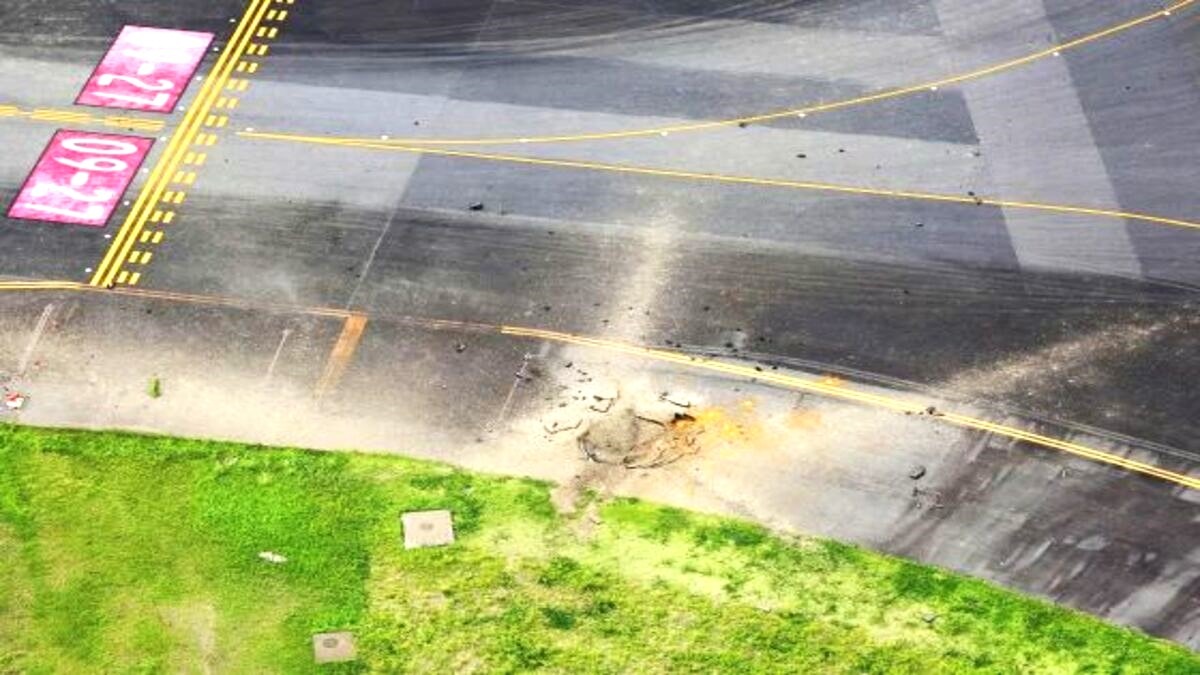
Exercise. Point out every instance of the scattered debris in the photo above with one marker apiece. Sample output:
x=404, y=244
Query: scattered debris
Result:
x=154, y=388
x=556, y=427
x=476, y=206
x=272, y=557
x=602, y=405
x=15, y=400
x=427, y=528
x=929, y=617
x=334, y=647
x=666, y=396
x=460, y=347
x=743, y=125
x=916, y=472
x=933, y=412
x=930, y=498
x=801, y=155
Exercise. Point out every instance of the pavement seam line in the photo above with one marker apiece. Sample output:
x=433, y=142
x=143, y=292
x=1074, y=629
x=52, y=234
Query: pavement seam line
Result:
x=820, y=386
x=180, y=141
x=883, y=95
x=731, y=179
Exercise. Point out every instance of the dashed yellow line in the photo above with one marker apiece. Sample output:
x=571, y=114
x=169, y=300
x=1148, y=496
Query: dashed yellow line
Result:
x=976, y=200
x=73, y=117
x=167, y=182
x=108, y=271
x=884, y=95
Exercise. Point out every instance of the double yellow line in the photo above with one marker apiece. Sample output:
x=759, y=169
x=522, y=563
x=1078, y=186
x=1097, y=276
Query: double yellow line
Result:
x=77, y=117
x=168, y=163
x=893, y=403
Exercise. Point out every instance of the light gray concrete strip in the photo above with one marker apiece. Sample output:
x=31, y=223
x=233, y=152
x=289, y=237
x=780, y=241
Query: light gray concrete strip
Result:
x=1038, y=143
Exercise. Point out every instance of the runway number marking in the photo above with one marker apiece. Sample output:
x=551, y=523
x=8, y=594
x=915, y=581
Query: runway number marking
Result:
x=146, y=69
x=80, y=178
x=176, y=171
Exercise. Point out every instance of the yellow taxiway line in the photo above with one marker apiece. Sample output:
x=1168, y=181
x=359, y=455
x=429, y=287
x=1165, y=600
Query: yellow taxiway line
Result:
x=77, y=117
x=168, y=163
x=887, y=94
x=976, y=200
x=355, y=322
x=906, y=405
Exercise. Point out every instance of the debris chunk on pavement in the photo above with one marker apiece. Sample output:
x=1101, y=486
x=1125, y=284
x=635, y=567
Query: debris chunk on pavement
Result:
x=14, y=400
x=557, y=427
x=674, y=400
x=602, y=405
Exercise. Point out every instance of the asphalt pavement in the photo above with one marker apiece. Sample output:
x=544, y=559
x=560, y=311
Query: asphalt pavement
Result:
x=991, y=203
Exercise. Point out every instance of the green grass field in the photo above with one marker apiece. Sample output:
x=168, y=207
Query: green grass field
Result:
x=127, y=553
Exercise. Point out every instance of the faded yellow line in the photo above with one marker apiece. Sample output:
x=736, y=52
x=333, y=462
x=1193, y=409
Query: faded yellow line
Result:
x=355, y=323
x=169, y=161
x=884, y=95
x=730, y=179
x=171, y=296
x=79, y=118
x=343, y=351
x=41, y=286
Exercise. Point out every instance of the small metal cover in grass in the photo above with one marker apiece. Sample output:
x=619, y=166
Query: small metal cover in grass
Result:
x=334, y=647
x=427, y=528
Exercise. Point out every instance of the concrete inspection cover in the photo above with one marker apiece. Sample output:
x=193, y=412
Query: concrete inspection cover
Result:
x=427, y=528
x=334, y=647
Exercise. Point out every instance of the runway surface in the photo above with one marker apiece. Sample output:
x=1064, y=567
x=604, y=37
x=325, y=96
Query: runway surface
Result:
x=987, y=204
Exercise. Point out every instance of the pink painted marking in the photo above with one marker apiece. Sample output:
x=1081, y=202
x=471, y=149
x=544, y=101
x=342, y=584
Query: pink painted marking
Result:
x=146, y=69
x=80, y=178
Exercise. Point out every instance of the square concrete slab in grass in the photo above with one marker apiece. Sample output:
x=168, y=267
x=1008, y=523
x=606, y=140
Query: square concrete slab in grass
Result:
x=427, y=528
x=334, y=647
